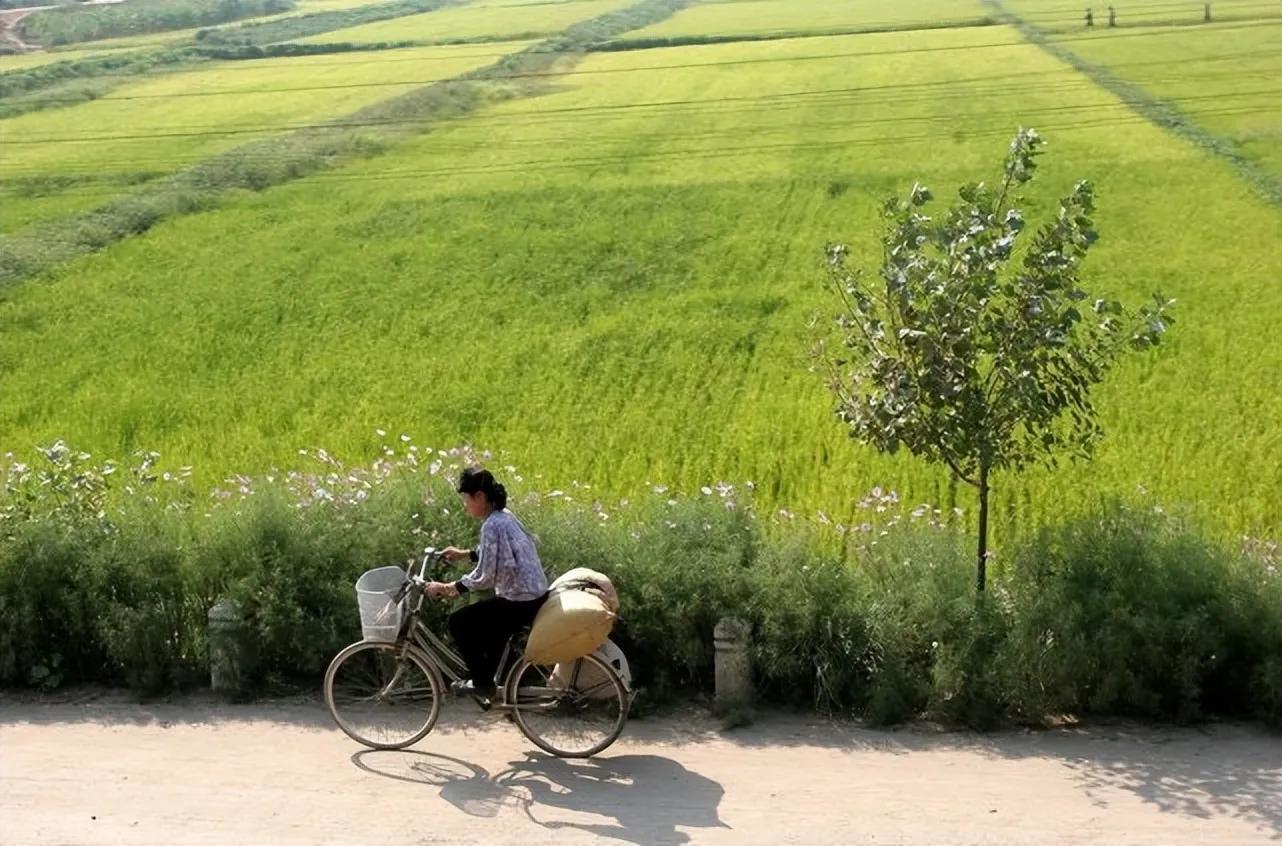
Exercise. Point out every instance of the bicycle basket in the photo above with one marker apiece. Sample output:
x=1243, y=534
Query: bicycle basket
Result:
x=375, y=596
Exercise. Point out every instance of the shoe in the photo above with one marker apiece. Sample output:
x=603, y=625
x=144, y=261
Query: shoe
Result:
x=466, y=687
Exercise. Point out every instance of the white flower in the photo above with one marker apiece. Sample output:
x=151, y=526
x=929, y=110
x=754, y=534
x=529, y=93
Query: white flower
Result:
x=405, y=439
x=381, y=432
x=706, y=491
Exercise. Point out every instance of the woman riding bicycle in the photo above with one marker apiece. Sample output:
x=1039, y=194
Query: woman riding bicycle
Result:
x=506, y=562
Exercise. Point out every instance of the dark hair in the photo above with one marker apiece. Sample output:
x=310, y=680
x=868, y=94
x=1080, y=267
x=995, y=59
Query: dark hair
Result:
x=475, y=479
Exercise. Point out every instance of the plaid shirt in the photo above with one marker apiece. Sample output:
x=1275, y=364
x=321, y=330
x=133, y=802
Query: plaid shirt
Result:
x=507, y=560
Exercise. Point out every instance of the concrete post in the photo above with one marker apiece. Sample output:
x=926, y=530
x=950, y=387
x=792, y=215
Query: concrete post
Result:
x=229, y=652
x=730, y=640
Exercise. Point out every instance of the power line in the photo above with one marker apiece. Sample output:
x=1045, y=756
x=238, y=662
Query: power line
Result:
x=687, y=155
x=617, y=70
x=865, y=94
x=1080, y=111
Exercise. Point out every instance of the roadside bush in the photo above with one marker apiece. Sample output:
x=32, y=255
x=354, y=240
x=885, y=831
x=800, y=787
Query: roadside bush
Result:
x=1128, y=611
x=107, y=574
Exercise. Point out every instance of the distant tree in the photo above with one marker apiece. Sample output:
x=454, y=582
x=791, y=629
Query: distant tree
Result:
x=968, y=347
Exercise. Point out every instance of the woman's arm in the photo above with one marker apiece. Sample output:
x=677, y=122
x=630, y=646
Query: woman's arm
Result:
x=486, y=557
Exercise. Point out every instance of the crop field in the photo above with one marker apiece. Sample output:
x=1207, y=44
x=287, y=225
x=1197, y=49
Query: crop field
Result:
x=1234, y=92
x=104, y=46
x=787, y=17
x=1069, y=18
x=482, y=19
x=59, y=160
x=611, y=278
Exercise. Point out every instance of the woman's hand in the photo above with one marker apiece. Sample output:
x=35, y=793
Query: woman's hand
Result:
x=441, y=590
x=453, y=553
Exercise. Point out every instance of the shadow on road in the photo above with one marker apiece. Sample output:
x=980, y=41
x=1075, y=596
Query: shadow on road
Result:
x=640, y=799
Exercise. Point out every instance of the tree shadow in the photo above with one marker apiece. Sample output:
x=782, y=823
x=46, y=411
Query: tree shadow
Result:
x=642, y=799
x=1222, y=770
x=1226, y=771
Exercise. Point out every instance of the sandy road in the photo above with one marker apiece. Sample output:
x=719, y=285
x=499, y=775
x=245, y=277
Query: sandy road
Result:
x=109, y=772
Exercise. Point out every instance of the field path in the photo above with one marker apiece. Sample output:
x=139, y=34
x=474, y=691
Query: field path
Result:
x=9, y=28
x=115, y=773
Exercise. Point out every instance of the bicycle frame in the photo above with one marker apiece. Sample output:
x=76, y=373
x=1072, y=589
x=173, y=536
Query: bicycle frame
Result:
x=415, y=634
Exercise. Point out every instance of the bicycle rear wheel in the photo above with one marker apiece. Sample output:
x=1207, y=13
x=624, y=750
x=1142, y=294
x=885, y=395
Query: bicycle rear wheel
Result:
x=380, y=699
x=572, y=710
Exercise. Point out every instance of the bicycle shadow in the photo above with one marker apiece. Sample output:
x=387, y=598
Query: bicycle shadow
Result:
x=641, y=799
x=466, y=786
x=648, y=796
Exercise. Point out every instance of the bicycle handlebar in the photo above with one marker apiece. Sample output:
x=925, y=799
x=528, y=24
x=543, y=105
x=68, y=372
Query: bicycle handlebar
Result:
x=420, y=579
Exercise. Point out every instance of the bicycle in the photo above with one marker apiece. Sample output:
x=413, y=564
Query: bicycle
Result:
x=387, y=694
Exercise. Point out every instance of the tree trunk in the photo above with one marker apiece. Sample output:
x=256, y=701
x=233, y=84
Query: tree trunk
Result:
x=982, y=566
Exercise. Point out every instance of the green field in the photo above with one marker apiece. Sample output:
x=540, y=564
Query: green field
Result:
x=770, y=17
x=158, y=124
x=480, y=19
x=1060, y=17
x=105, y=47
x=1235, y=91
x=611, y=281
x=20, y=61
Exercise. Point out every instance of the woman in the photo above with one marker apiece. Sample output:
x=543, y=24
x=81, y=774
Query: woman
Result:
x=507, y=563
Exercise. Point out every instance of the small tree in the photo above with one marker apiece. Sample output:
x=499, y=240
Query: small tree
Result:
x=966, y=355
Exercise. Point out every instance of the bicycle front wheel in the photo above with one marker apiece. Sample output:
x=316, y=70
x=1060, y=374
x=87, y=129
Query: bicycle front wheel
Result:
x=572, y=710
x=381, y=699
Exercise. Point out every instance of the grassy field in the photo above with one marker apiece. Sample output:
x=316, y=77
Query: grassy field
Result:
x=20, y=61
x=1224, y=76
x=495, y=19
x=612, y=282
x=769, y=17
x=1053, y=16
x=67, y=159
x=104, y=47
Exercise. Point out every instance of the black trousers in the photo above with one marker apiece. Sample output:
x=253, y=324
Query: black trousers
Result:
x=482, y=629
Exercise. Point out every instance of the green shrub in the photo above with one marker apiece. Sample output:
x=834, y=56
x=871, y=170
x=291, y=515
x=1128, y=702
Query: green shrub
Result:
x=147, y=619
x=107, y=574
x=1130, y=612
x=47, y=608
x=813, y=645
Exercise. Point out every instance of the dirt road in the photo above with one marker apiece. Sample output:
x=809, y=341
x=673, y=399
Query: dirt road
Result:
x=108, y=772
